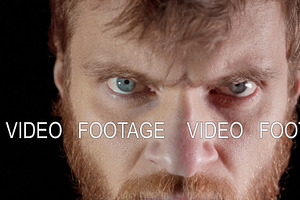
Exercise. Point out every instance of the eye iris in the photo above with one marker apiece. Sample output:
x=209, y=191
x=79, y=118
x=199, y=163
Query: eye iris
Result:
x=238, y=88
x=125, y=85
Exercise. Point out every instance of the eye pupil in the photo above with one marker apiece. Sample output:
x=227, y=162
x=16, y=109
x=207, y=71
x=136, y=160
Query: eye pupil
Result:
x=125, y=85
x=238, y=88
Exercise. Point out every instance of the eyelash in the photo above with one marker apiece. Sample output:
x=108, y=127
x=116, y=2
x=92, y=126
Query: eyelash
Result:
x=133, y=97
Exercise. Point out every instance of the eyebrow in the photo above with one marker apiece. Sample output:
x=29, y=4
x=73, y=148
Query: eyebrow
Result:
x=104, y=70
x=246, y=73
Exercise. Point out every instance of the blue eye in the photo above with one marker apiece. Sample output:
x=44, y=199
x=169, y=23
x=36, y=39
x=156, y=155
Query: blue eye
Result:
x=125, y=88
x=125, y=85
x=241, y=89
x=238, y=88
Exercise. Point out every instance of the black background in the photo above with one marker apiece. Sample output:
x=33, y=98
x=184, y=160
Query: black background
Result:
x=36, y=168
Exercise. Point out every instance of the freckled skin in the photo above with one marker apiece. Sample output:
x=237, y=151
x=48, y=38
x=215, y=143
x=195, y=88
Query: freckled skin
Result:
x=257, y=39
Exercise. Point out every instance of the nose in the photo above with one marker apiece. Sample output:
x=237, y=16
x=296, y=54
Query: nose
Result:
x=178, y=152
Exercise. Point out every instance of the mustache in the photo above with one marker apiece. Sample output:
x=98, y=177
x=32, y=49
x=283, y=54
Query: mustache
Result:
x=161, y=185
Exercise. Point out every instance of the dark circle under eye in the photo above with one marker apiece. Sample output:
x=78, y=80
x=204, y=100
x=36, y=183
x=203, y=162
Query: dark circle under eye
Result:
x=125, y=85
x=238, y=88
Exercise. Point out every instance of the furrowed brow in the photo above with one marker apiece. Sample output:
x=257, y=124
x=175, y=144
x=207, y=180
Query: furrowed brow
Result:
x=106, y=70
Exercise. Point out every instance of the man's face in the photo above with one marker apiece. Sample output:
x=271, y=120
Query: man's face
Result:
x=245, y=79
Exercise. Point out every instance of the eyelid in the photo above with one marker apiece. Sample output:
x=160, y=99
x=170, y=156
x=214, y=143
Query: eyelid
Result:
x=132, y=98
x=140, y=93
x=235, y=80
x=111, y=83
x=232, y=102
x=123, y=76
x=103, y=75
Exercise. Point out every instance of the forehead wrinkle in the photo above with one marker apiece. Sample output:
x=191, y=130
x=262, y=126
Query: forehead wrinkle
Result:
x=165, y=25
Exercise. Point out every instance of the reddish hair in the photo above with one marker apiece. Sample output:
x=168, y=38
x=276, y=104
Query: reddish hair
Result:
x=171, y=22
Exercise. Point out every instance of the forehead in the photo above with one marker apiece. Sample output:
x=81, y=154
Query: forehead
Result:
x=257, y=35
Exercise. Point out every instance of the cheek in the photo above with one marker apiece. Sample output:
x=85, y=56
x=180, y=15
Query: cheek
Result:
x=248, y=156
x=113, y=158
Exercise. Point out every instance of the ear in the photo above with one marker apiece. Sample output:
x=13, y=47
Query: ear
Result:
x=58, y=73
x=296, y=88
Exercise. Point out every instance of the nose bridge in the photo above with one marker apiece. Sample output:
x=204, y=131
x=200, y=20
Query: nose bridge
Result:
x=179, y=153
